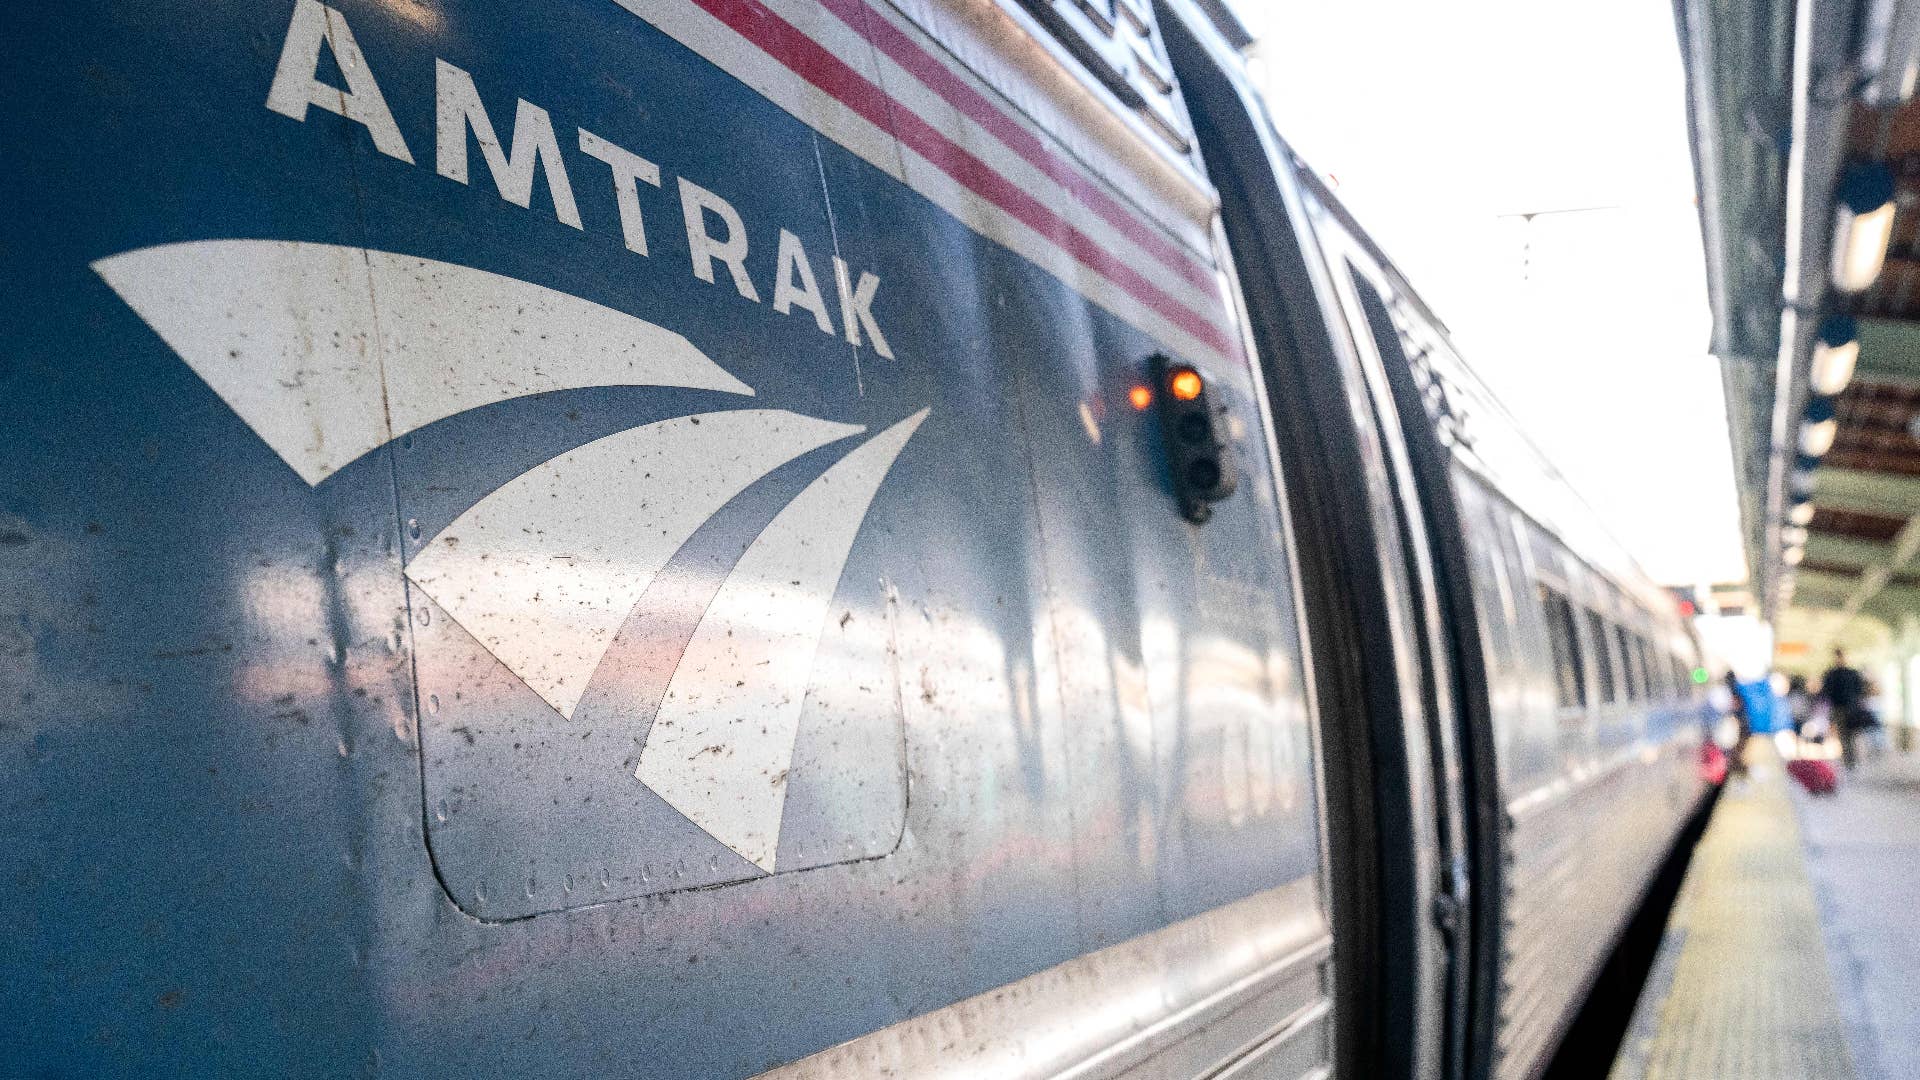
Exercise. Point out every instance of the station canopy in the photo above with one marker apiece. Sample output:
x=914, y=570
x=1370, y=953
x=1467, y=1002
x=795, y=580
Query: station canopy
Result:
x=1806, y=140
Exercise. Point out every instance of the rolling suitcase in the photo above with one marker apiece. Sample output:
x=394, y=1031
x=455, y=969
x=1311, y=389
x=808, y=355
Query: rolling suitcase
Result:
x=1814, y=774
x=1713, y=763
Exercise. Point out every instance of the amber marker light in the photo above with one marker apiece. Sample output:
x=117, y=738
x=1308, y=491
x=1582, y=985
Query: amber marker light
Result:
x=1140, y=397
x=1185, y=384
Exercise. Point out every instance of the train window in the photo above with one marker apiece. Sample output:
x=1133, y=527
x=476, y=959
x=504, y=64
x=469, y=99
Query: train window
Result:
x=1603, y=662
x=1632, y=665
x=1648, y=679
x=1642, y=671
x=1121, y=47
x=1569, y=678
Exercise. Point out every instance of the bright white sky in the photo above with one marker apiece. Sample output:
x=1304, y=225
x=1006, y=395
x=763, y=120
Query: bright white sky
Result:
x=1439, y=123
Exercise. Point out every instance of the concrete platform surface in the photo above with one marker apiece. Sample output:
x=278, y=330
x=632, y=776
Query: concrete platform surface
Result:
x=1742, y=987
x=1794, y=948
x=1863, y=848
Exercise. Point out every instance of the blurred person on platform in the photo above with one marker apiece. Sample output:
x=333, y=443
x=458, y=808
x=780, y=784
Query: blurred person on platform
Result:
x=1844, y=690
x=1873, y=705
x=1739, y=712
x=1799, y=705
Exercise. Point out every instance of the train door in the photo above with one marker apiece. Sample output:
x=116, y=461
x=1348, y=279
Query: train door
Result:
x=1382, y=657
x=1397, y=426
x=1406, y=396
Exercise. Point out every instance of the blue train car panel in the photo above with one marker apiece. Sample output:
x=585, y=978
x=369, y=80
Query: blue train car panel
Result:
x=533, y=537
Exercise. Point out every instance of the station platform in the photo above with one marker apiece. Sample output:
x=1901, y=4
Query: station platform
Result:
x=1793, y=950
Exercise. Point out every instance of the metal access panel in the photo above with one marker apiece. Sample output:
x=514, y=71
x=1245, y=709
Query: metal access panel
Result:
x=646, y=655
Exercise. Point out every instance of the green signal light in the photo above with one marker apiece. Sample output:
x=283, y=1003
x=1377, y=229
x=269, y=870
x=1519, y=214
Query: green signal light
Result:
x=1700, y=676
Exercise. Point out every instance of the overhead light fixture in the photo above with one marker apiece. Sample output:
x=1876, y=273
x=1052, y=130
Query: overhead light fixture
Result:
x=1801, y=514
x=1817, y=429
x=1835, y=352
x=1794, y=536
x=1862, y=225
x=1817, y=439
x=1801, y=482
x=1793, y=555
x=1889, y=53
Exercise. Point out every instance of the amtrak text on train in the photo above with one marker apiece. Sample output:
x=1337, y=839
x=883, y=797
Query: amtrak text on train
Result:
x=717, y=238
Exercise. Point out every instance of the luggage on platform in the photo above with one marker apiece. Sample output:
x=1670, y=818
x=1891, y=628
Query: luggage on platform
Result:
x=1814, y=774
x=1713, y=763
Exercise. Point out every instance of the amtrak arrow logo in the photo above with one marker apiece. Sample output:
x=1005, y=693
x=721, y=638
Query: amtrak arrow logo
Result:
x=330, y=352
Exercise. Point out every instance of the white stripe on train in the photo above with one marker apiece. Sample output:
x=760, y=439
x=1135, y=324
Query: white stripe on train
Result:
x=706, y=35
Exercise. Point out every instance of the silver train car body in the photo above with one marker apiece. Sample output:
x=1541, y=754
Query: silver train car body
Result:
x=637, y=539
x=1591, y=682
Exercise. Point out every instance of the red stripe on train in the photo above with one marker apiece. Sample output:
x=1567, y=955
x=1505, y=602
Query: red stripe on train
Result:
x=939, y=78
x=811, y=61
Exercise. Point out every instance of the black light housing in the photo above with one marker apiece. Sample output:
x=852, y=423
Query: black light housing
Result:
x=1199, y=451
x=1862, y=224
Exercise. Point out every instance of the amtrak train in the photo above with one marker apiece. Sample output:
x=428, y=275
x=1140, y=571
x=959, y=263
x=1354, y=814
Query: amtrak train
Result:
x=807, y=538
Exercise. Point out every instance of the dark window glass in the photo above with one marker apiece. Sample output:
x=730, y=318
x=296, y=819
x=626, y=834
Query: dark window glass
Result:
x=1652, y=679
x=1603, y=662
x=1632, y=665
x=1569, y=679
